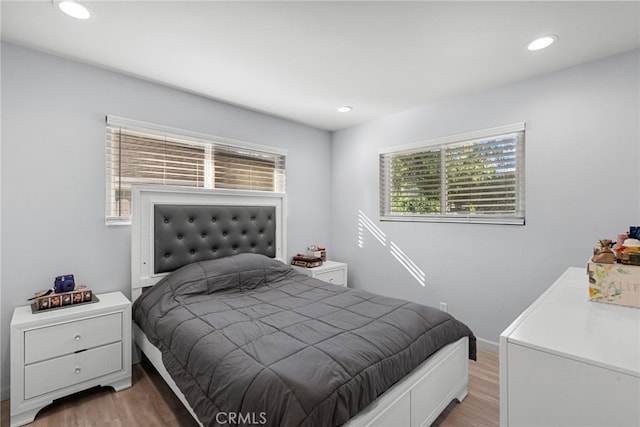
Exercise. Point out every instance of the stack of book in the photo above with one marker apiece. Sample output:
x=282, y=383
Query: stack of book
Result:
x=308, y=261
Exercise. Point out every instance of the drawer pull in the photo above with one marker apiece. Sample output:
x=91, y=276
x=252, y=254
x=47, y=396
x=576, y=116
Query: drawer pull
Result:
x=77, y=370
x=77, y=337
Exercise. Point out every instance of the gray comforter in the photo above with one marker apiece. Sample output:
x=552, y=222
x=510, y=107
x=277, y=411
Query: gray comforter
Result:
x=248, y=337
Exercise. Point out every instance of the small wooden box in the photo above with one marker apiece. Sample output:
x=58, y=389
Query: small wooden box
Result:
x=614, y=284
x=55, y=300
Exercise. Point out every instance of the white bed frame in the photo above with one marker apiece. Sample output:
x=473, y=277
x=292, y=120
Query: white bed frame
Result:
x=416, y=400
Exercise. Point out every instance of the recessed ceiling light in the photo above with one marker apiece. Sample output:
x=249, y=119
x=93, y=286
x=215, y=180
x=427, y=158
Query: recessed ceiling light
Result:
x=344, y=109
x=542, y=42
x=74, y=9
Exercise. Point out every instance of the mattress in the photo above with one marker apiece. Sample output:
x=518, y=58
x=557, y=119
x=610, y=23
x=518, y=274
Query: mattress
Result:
x=247, y=335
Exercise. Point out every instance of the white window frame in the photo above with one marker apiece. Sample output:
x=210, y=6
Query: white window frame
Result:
x=442, y=143
x=208, y=142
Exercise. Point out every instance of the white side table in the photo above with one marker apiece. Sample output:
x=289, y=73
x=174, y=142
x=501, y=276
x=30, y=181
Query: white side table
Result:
x=330, y=271
x=58, y=352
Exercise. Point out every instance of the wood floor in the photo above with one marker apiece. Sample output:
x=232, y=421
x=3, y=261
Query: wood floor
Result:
x=149, y=402
x=481, y=407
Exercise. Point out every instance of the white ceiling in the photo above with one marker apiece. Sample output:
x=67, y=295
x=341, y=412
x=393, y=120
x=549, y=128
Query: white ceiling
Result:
x=301, y=60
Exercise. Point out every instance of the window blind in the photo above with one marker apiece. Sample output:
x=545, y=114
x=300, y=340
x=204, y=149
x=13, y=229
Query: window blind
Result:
x=244, y=170
x=146, y=155
x=467, y=178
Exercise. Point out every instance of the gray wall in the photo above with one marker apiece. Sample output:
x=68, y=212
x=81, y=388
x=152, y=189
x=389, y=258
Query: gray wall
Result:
x=53, y=171
x=582, y=184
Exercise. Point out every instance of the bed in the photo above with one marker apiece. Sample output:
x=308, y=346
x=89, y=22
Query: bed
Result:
x=243, y=339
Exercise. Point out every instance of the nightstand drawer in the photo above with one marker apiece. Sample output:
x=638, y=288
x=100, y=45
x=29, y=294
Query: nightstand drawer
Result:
x=53, y=341
x=54, y=374
x=331, y=271
x=335, y=277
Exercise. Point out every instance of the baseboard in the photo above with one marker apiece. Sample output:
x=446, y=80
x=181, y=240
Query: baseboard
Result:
x=488, y=345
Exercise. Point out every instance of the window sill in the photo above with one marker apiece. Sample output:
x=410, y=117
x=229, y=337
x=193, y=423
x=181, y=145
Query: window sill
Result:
x=116, y=221
x=455, y=219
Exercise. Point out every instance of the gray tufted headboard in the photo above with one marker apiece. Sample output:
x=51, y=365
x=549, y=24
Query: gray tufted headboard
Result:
x=186, y=233
x=172, y=227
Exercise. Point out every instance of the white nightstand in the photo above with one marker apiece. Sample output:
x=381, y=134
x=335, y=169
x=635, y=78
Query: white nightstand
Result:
x=62, y=351
x=330, y=271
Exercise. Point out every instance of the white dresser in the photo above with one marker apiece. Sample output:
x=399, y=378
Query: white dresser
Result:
x=59, y=352
x=330, y=271
x=568, y=361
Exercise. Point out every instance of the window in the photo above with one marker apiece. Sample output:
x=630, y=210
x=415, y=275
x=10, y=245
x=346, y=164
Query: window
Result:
x=140, y=153
x=475, y=177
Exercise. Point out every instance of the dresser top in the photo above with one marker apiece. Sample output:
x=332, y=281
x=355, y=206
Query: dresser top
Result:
x=565, y=322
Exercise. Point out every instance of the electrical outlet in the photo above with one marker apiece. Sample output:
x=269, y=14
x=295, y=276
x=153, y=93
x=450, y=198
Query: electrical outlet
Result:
x=444, y=307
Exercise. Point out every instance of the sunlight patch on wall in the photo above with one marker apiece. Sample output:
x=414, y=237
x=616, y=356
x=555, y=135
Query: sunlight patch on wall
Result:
x=408, y=264
x=365, y=223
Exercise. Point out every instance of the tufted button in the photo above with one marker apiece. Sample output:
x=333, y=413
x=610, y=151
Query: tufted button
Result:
x=203, y=235
x=192, y=252
x=179, y=236
x=253, y=218
x=190, y=219
x=166, y=220
x=269, y=217
x=253, y=245
x=244, y=233
x=224, y=233
x=235, y=247
x=167, y=255
x=234, y=219
x=213, y=219
x=214, y=249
